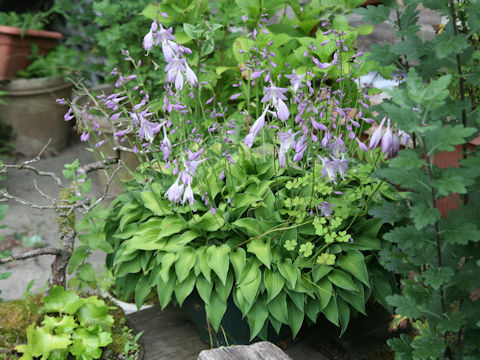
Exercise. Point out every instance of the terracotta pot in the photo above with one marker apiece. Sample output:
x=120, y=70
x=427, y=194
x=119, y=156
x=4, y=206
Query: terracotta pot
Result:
x=14, y=49
x=445, y=160
x=30, y=108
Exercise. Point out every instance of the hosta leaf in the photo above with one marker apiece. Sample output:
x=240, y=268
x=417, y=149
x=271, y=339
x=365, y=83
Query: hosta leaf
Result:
x=331, y=311
x=185, y=288
x=257, y=316
x=261, y=250
x=274, y=283
x=142, y=290
x=168, y=260
x=319, y=271
x=295, y=318
x=218, y=260
x=324, y=291
x=207, y=222
x=165, y=290
x=215, y=310
x=278, y=307
x=343, y=314
x=156, y=204
x=184, y=264
x=354, y=299
x=288, y=271
x=354, y=262
x=342, y=279
x=222, y=290
x=312, y=308
x=238, y=258
x=204, y=289
x=250, y=281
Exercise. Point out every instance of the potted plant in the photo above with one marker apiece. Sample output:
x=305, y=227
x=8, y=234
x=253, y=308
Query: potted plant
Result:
x=17, y=34
x=266, y=215
x=30, y=105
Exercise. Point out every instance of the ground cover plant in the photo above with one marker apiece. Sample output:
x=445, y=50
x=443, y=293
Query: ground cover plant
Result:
x=254, y=180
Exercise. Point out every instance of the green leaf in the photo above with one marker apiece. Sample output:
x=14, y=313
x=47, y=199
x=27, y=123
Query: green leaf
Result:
x=95, y=312
x=238, y=258
x=167, y=261
x=424, y=215
x=40, y=342
x=288, y=271
x=331, y=311
x=446, y=44
x=207, y=222
x=324, y=291
x=61, y=301
x=354, y=262
x=224, y=291
x=204, y=288
x=156, y=204
x=274, y=283
x=342, y=279
x=184, y=264
x=257, y=316
x=261, y=250
x=165, y=290
x=319, y=271
x=215, y=310
x=450, y=182
x=194, y=32
x=295, y=318
x=252, y=226
x=185, y=288
x=87, y=343
x=62, y=325
x=278, y=307
x=436, y=277
x=355, y=299
x=312, y=308
x=343, y=314
x=142, y=290
x=218, y=260
x=250, y=280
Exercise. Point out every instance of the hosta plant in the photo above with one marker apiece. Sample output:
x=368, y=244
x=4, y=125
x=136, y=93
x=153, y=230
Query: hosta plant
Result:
x=259, y=192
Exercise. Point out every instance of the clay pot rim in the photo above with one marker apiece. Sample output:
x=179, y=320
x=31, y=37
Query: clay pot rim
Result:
x=10, y=30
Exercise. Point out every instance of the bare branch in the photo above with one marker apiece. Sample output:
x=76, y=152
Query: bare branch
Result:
x=98, y=165
x=31, y=254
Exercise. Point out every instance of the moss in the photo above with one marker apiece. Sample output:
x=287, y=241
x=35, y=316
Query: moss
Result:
x=66, y=221
x=15, y=317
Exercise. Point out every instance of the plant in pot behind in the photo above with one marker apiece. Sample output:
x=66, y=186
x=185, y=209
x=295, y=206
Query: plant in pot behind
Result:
x=269, y=216
x=30, y=105
x=18, y=32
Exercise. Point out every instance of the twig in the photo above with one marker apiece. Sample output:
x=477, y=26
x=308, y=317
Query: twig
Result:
x=31, y=254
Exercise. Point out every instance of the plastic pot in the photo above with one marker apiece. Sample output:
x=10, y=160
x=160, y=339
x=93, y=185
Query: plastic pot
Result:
x=15, y=49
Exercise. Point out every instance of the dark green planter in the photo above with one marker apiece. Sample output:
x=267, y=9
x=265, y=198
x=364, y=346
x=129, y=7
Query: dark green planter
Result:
x=236, y=330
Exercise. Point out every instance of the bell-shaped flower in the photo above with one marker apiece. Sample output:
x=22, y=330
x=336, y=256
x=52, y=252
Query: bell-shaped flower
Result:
x=175, y=192
x=257, y=126
x=337, y=147
x=188, y=195
x=148, y=130
x=334, y=167
x=275, y=96
x=376, y=136
x=296, y=81
x=387, y=139
x=287, y=140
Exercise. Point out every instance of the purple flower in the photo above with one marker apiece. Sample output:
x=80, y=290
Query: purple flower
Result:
x=321, y=65
x=337, y=146
x=188, y=195
x=61, y=101
x=334, y=167
x=361, y=145
x=69, y=115
x=148, y=39
x=275, y=95
x=165, y=145
x=287, y=140
x=255, y=129
x=326, y=209
x=174, y=193
x=387, y=139
x=84, y=137
x=376, y=136
x=235, y=96
x=148, y=130
x=295, y=80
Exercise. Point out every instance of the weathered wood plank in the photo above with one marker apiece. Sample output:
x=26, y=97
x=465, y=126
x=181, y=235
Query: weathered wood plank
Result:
x=259, y=351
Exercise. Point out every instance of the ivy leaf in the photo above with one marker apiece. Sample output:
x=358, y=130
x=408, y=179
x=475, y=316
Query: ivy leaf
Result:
x=61, y=301
x=218, y=260
x=261, y=250
x=424, y=215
